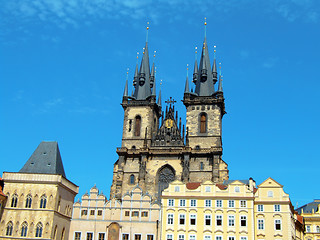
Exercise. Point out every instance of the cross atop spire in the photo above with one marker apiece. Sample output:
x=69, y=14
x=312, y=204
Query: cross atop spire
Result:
x=170, y=101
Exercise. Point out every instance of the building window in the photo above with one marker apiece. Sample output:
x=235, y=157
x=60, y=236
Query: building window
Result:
x=169, y=237
x=231, y=221
x=182, y=202
x=92, y=212
x=243, y=238
x=39, y=230
x=231, y=238
x=208, y=189
x=260, y=224
x=177, y=189
x=277, y=224
x=149, y=237
x=270, y=193
x=89, y=236
x=170, y=202
x=101, y=236
x=192, y=237
x=218, y=203
x=137, y=237
x=208, y=203
x=137, y=127
x=236, y=189
x=77, y=236
x=231, y=203
x=201, y=166
x=99, y=212
x=277, y=208
x=135, y=214
x=84, y=212
x=24, y=229
x=193, y=203
x=207, y=220
x=243, y=221
x=28, y=201
x=144, y=214
x=260, y=208
x=14, y=201
x=193, y=219
x=131, y=179
x=207, y=237
x=182, y=219
x=43, y=201
x=170, y=219
x=181, y=237
x=308, y=228
x=219, y=220
x=318, y=229
x=243, y=203
x=203, y=123
x=218, y=237
x=127, y=213
x=125, y=236
x=9, y=229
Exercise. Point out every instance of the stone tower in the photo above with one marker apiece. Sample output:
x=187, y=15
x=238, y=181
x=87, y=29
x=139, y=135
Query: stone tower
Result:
x=153, y=154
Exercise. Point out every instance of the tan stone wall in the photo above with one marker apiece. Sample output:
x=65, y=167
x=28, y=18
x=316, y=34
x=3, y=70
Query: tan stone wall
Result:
x=212, y=136
x=147, y=120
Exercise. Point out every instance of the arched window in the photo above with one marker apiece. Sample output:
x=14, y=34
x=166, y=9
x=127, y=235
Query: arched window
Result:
x=137, y=126
x=165, y=176
x=43, y=201
x=131, y=179
x=14, y=200
x=28, y=201
x=24, y=229
x=62, y=235
x=318, y=229
x=203, y=123
x=39, y=228
x=55, y=233
x=9, y=229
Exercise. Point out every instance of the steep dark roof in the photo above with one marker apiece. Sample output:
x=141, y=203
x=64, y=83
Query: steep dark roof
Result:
x=45, y=159
x=309, y=206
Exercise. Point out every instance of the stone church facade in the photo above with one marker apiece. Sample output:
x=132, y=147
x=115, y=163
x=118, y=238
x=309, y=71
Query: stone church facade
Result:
x=156, y=149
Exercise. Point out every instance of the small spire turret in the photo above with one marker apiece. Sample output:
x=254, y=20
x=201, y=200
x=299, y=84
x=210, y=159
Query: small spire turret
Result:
x=214, y=66
x=186, y=89
x=220, y=80
x=195, y=71
x=125, y=92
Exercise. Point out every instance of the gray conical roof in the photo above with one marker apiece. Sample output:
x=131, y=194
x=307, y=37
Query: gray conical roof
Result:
x=125, y=92
x=186, y=89
x=204, y=84
x=220, y=84
x=45, y=159
x=143, y=89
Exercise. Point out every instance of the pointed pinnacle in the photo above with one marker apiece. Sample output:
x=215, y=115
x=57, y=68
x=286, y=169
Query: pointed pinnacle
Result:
x=159, y=98
x=220, y=84
x=154, y=89
x=125, y=93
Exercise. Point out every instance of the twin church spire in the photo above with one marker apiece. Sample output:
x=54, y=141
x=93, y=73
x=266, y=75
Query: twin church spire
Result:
x=204, y=76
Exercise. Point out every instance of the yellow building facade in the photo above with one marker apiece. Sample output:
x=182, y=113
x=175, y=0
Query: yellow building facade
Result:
x=311, y=215
x=235, y=210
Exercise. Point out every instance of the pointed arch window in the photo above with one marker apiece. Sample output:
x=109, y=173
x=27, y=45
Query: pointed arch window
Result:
x=9, y=229
x=203, y=123
x=43, y=201
x=131, y=181
x=137, y=126
x=28, y=201
x=24, y=229
x=39, y=228
x=62, y=235
x=14, y=200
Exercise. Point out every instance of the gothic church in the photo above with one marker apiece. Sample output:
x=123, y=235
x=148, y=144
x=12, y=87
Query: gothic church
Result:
x=156, y=149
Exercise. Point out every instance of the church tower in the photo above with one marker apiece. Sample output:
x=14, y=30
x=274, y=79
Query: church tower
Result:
x=205, y=109
x=154, y=153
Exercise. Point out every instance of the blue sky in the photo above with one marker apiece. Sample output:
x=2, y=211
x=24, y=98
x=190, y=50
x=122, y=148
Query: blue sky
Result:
x=63, y=68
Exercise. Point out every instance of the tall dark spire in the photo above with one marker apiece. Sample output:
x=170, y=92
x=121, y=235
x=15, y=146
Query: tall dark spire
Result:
x=159, y=98
x=220, y=80
x=136, y=73
x=195, y=70
x=186, y=89
x=143, y=86
x=214, y=66
x=125, y=92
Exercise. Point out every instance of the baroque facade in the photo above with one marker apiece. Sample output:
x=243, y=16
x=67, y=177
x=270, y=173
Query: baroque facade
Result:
x=156, y=149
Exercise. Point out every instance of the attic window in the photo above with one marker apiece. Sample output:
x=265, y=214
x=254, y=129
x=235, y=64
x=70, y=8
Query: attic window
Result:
x=49, y=164
x=31, y=163
x=197, y=147
x=45, y=153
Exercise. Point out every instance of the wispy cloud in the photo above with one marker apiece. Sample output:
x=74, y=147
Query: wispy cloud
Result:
x=270, y=62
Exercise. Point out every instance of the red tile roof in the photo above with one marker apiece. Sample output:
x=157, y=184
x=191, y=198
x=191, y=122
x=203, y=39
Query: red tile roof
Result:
x=193, y=185
x=221, y=186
